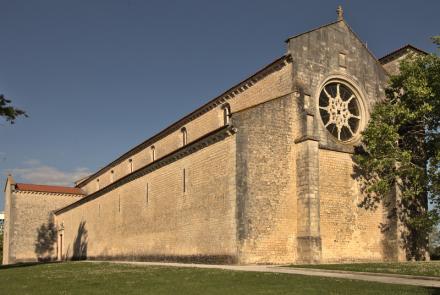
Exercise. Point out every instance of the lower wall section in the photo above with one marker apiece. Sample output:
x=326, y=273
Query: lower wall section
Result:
x=266, y=197
x=190, y=211
x=33, y=235
x=348, y=233
x=205, y=259
x=184, y=211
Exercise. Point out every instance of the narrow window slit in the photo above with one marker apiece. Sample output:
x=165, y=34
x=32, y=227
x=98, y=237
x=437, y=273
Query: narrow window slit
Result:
x=146, y=194
x=184, y=136
x=119, y=197
x=184, y=180
x=226, y=114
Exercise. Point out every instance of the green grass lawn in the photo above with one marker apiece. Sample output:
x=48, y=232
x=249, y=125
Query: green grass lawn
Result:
x=106, y=278
x=419, y=268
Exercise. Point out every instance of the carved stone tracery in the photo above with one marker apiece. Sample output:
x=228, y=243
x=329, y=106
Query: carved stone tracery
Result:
x=340, y=110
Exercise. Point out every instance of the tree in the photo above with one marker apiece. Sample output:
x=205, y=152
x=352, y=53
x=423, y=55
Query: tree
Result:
x=400, y=151
x=9, y=112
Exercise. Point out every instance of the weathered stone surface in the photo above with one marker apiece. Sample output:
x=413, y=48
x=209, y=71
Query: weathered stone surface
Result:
x=172, y=221
x=30, y=232
x=266, y=200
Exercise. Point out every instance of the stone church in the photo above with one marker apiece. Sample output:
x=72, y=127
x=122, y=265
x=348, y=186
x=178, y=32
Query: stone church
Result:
x=263, y=173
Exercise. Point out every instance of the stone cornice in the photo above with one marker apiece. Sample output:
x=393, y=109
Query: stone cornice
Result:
x=305, y=138
x=219, y=100
x=207, y=140
x=337, y=148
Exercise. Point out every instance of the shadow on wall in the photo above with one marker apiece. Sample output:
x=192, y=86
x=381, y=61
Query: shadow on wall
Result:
x=371, y=202
x=399, y=229
x=80, y=243
x=46, y=239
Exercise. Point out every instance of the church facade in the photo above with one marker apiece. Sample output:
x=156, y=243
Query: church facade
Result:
x=262, y=173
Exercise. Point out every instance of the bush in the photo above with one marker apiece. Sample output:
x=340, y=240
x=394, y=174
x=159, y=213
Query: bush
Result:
x=435, y=253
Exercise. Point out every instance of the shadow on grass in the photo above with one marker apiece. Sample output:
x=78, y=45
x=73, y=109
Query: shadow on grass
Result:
x=433, y=291
x=25, y=264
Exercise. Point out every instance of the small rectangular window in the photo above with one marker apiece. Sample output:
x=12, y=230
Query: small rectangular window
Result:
x=342, y=60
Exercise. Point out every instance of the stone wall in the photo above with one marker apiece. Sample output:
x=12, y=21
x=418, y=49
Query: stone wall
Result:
x=191, y=230
x=335, y=52
x=348, y=233
x=183, y=211
x=7, y=229
x=266, y=199
x=391, y=64
x=31, y=231
x=331, y=227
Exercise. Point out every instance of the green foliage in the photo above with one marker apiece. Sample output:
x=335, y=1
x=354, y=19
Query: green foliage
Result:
x=401, y=150
x=9, y=112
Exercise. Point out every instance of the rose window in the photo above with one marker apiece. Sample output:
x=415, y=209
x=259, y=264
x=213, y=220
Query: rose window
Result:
x=340, y=110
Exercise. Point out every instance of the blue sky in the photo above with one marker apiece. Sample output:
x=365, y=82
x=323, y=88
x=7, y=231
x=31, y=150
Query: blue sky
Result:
x=99, y=77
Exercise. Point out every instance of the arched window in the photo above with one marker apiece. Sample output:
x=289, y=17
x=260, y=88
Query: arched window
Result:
x=97, y=184
x=184, y=136
x=130, y=162
x=112, y=176
x=153, y=153
x=226, y=113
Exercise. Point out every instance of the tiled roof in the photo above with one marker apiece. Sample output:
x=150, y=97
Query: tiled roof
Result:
x=48, y=188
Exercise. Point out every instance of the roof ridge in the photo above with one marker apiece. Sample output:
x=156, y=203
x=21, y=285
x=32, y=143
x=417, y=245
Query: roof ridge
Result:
x=314, y=29
x=37, y=184
x=48, y=188
x=350, y=29
x=396, y=51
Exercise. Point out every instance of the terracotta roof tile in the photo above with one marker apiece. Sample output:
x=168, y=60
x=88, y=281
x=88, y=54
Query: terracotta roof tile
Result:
x=48, y=188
